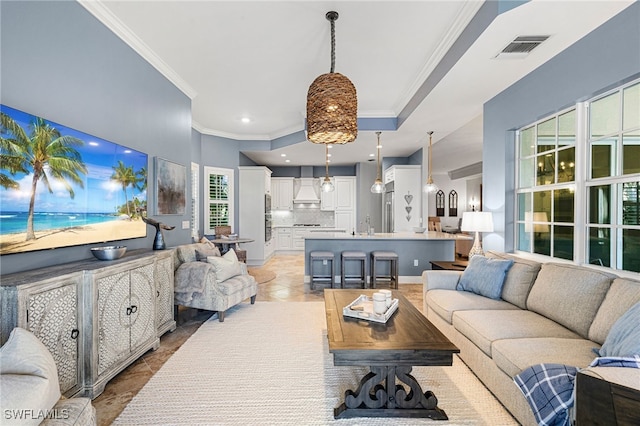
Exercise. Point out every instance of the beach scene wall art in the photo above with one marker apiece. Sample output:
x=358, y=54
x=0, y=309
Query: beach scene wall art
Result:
x=60, y=187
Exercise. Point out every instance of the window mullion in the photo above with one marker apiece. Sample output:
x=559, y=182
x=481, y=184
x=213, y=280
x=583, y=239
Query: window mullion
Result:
x=583, y=165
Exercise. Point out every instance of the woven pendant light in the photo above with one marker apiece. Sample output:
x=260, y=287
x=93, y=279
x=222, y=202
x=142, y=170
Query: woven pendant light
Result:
x=332, y=103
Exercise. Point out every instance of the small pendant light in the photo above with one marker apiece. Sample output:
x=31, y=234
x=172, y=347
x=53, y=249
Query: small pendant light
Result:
x=327, y=185
x=378, y=186
x=430, y=186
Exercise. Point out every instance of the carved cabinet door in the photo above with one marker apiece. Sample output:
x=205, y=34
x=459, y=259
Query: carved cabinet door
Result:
x=113, y=319
x=164, y=291
x=143, y=312
x=53, y=319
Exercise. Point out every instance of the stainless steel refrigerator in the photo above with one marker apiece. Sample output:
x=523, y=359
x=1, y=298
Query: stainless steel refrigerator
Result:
x=387, y=216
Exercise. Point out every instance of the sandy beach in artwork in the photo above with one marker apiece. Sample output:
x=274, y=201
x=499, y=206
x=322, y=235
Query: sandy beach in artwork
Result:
x=86, y=234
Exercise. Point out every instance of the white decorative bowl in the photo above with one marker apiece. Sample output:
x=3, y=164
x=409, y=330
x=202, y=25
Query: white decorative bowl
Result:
x=109, y=252
x=419, y=230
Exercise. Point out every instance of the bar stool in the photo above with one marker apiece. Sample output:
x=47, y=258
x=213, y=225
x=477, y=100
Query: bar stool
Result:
x=325, y=257
x=361, y=278
x=380, y=256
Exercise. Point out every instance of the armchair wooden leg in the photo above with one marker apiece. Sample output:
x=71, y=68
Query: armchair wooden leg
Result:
x=253, y=299
x=221, y=316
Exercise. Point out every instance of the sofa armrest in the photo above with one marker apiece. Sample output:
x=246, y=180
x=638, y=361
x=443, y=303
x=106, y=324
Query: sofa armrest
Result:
x=447, y=280
x=193, y=276
x=243, y=268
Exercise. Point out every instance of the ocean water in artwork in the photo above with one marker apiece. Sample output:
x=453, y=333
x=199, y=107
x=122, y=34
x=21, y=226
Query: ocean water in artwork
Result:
x=16, y=222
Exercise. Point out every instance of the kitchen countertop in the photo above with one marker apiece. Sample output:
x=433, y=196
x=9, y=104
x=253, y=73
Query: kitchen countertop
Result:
x=414, y=236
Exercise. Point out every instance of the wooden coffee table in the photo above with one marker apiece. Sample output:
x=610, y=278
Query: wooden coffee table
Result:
x=390, y=349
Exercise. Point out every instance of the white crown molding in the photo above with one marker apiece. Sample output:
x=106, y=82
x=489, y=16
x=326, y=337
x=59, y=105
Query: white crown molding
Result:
x=245, y=137
x=461, y=21
x=104, y=15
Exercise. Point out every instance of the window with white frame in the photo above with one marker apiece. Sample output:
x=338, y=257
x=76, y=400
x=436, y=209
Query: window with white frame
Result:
x=578, y=184
x=218, y=198
x=195, y=202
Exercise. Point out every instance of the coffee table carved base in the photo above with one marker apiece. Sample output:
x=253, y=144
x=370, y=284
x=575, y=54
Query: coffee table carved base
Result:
x=374, y=399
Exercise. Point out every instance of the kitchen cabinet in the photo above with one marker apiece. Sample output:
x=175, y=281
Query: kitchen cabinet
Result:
x=95, y=317
x=297, y=240
x=345, y=189
x=283, y=239
x=253, y=220
x=281, y=193
x=328, y=199
x=345, y=219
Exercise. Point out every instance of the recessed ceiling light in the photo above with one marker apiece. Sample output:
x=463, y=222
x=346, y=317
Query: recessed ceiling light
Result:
x=287, y=161
x=328, y=155
x=283, y=155
x=329, y=146
x=328, y=161
x=245, y=120
x=372, y=155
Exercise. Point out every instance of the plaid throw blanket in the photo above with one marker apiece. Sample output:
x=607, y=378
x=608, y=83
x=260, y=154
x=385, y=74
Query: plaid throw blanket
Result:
x=613, y=361
x=548, y=388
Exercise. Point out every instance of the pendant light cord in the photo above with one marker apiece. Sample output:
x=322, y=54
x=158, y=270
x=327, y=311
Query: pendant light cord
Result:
x=326, y=161
x=378, y=174
x=332, y=16
x=430, y=133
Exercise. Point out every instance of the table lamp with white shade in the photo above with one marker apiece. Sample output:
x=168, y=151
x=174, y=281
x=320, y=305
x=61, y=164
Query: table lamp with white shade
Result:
x=476, y=222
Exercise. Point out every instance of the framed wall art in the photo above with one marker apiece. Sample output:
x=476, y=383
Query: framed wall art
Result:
x=171, y=187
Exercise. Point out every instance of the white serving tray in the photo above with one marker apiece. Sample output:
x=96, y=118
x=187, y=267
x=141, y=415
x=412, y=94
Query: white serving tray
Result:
x=367, y=312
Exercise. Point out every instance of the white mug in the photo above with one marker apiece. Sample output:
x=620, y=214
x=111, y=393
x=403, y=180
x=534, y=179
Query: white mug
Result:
x=379, y=303
x=387, y=294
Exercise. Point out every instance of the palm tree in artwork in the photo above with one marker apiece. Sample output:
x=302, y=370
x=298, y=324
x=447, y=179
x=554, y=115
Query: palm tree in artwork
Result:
x=10, y=158
x=125, y=176
x=48, y=154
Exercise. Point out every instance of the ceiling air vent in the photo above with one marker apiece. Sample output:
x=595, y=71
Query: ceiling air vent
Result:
x=520, y=47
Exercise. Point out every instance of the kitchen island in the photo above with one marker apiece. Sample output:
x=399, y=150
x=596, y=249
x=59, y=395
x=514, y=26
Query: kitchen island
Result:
x=415, y=250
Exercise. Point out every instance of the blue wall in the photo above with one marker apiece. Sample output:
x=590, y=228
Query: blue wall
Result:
x=605, y=58
x=60, y=63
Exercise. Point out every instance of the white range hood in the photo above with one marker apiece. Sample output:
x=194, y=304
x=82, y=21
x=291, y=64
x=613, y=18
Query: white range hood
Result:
x=307, y=192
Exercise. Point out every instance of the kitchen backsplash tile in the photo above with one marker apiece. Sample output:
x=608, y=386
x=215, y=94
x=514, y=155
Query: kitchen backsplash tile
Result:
x=302, y=215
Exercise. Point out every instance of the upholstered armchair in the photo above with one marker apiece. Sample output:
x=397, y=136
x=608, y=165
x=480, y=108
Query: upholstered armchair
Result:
x=213, y=284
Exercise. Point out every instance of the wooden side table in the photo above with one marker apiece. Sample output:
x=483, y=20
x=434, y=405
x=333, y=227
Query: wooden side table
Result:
x=456, y=265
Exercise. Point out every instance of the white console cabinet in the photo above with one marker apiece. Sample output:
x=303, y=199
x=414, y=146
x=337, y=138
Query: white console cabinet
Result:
x=95, y=317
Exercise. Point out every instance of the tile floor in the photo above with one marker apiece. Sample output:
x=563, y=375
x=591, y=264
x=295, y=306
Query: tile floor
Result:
x=287, y=286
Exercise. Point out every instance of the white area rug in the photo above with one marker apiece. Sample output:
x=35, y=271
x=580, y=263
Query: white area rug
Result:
x=269, y=364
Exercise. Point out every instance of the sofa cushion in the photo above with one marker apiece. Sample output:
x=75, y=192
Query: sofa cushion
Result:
x=239, y=283
x=28, y=376
x=623, y=294
x=446, y=302
x=202, y=254
x=514, y=355
x=623, y=339
x=485, y=276
x=519, y=279
x=226, y=266
x=187, y=252
x=569, y=295
x=485, y=327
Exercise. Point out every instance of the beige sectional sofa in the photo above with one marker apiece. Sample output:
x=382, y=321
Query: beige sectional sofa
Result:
x=547, y=313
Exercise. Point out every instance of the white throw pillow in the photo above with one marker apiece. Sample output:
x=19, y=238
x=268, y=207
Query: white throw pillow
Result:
x=226, y=266
x=28, y=378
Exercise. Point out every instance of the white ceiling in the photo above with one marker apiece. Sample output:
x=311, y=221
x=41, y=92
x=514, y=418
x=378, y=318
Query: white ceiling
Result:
x=256, y=59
